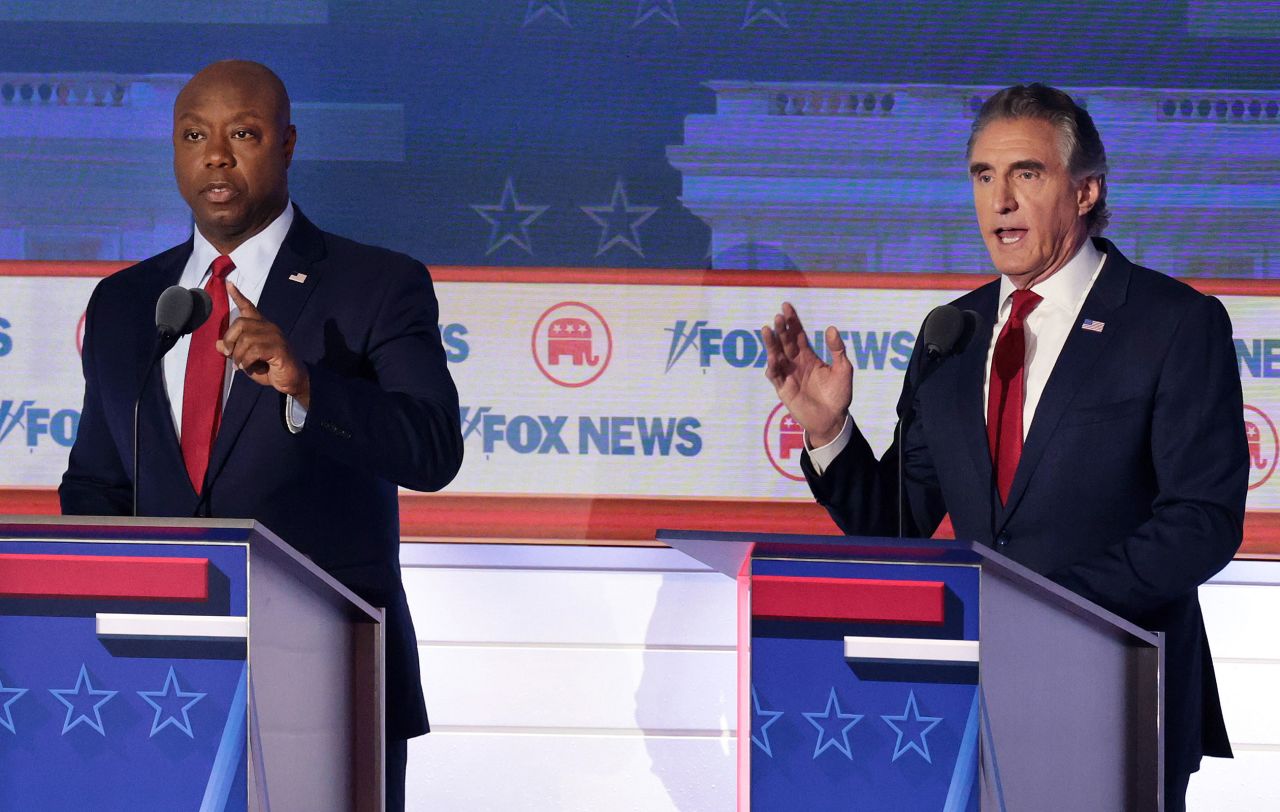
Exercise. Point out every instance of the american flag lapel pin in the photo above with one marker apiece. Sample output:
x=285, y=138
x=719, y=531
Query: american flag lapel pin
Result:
x=1092, y=326
x=298, y=277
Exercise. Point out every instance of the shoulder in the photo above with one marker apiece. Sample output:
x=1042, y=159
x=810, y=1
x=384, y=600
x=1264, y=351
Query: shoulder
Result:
x=346, y=253
x=146, y=276
x=1159, y=295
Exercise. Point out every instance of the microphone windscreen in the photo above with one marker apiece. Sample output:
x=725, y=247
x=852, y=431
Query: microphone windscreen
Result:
x=201, y=307
x=173, y=309
x=942, y=330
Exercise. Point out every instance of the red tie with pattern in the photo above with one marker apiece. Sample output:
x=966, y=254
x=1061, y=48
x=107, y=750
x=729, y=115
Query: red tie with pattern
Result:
x=206, y=368
x=1008, y=391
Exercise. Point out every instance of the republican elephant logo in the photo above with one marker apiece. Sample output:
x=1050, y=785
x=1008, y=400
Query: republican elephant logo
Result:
x=572, y=344
x=1264, y=445
x=783, y=442
x=570, y=337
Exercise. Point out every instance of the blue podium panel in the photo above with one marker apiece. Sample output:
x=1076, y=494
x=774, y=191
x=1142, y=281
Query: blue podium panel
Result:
x=892, y=730
x=117, y=693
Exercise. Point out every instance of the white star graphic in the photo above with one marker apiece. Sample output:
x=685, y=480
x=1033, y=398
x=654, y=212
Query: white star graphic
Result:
x=166, y=705
x=510, y=221
x=765, y=10
x=539, y=8
x=6, y=715
x=911, y=716
x=829, y=721
x=620, y=221
x=83, y=689
x=666, y=9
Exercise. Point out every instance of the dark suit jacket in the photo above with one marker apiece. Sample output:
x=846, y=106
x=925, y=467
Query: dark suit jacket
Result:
x=1131, y=485
x=384, y=412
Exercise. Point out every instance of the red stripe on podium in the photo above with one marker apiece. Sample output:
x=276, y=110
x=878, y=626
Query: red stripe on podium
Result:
x=859, y=600
x=104, y=576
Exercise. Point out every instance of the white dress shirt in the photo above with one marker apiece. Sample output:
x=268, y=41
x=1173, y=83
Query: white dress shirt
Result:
x=1047, y=328
x=253, y=260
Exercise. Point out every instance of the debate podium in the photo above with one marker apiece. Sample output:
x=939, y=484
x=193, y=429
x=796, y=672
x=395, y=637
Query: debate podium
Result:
x=892, y=674
x=182, y=664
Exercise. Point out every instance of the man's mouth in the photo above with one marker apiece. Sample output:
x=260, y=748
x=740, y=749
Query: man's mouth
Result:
x=1009, y=236
x=218, y=192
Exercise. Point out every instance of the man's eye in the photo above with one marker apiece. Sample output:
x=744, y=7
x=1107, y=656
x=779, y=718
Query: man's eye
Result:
x=242, y=134
x=192, y=135
x=1028, y=175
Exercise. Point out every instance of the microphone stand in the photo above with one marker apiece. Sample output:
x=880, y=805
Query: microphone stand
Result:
x=164, y=342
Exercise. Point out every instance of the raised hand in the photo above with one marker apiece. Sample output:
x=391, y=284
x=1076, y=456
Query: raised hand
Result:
x=259, y=350
x=817, y=394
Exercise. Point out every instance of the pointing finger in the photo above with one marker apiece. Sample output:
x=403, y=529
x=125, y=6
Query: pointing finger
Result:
x=246, y=307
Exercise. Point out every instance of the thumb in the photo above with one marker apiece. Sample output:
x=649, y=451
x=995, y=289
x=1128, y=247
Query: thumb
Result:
x=834, y=343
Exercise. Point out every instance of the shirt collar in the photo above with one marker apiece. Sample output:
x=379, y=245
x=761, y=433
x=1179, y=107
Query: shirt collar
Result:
x=1064, y=289
x=253, y=257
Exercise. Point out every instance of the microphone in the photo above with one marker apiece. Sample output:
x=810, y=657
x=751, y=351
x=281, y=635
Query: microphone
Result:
x=946, y=331
x=179, y=312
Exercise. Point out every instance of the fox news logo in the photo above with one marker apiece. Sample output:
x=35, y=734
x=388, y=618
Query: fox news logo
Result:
x=6, y=342
x=1258, y=357
x=615, y=436
x=572, y=344
x=742, y=348
x=23, y=419
x=456, y=346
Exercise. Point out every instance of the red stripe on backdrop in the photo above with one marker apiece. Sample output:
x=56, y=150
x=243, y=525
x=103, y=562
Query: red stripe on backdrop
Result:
x=859, y=600
x=631, y=520
x=676, y=277
x=104, y=576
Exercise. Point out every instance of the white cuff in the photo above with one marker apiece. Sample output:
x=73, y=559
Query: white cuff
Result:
x=821, y=458
x=295, y=414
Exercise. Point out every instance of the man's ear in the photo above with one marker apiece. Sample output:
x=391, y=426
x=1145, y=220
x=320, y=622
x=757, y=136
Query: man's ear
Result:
x=290, y=140
x=1088, y=192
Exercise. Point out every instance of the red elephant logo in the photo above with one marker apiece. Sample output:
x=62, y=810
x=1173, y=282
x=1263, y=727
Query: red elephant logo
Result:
x=790, y=437
x=572, y=344
x=783, y=440
x=1263, y=443
x=571, y=337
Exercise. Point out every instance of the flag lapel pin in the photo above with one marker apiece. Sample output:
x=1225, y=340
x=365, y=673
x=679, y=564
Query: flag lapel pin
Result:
x=301, y=277
x=1092, y=326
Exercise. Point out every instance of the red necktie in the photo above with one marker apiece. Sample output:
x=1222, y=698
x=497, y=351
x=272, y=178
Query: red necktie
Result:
x=206, y=368
x=1008, y=391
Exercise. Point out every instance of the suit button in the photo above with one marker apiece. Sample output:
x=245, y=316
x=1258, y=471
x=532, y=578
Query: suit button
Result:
x=1002, y=541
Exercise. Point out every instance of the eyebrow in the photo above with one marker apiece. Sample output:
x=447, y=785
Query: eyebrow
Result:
x=977, y=168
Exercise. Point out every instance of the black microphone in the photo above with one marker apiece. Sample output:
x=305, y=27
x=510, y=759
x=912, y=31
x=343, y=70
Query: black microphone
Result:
x=946, y=331
x=179, y=311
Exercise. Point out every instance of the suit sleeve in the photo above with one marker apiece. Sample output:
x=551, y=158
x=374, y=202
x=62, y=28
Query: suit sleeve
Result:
x=861, y=492
x=401, y=423
x=1200, y=459
x=95, y=482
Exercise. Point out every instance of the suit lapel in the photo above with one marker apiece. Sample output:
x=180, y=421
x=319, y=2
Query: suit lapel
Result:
x=281, y=301
x=160, y=440
x=1081, y=351
x=972, y=421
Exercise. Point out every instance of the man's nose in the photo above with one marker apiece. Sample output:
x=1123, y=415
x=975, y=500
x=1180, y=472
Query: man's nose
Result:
x=218, y=154
x=1002, y=198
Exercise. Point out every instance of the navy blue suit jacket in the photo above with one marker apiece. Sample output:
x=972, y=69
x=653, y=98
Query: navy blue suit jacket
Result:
x=384, y=412
x=1132, y=481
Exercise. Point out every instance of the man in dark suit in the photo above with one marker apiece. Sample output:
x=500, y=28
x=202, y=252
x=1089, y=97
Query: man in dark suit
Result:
x=1091, y=428
x=317, y=386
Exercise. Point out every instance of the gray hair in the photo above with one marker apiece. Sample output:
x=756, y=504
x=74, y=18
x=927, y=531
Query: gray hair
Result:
x=1082, y=149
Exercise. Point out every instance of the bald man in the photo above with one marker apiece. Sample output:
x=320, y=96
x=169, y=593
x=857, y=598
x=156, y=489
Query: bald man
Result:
x=315, y=389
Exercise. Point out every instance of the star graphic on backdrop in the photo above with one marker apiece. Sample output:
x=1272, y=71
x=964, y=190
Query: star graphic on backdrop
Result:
x=831, y=720
x=765, y=10
x=666, y=9
x=172, y=701
x=510, y=221
x=6, y=715
x=620, y=221
x=760, y=732
x=539, y=8
x=81, y=703
x=911, y=718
